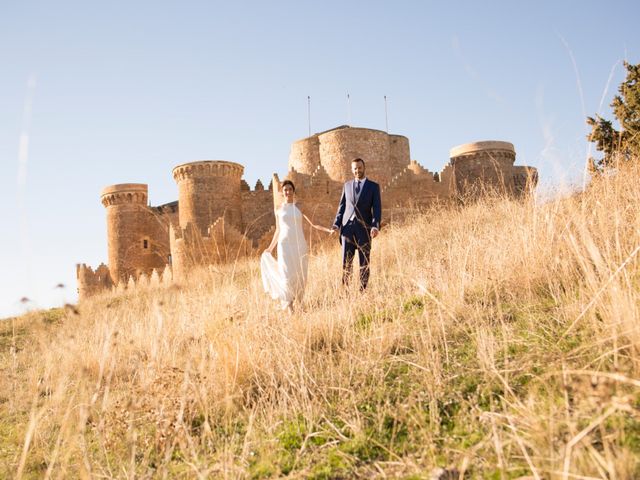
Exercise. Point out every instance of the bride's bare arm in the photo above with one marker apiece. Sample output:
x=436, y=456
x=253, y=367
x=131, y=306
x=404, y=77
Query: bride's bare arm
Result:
x=317, y=227
x=274, y=240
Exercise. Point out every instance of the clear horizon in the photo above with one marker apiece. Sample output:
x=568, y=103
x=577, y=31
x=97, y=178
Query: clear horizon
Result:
x=122, y=93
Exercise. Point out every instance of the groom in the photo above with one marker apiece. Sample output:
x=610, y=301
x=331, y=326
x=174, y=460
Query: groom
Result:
x=358, y=221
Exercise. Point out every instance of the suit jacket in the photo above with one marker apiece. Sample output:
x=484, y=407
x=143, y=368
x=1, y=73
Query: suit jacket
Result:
x=366, y=206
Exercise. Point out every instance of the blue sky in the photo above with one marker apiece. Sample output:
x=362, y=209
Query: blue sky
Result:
x=115, y=92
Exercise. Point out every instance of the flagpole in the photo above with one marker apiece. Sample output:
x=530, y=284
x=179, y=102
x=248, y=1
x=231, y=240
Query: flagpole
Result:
x=309, y=112
x=386, y=114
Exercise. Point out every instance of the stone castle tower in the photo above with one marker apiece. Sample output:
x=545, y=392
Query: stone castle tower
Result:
x=135, y=233
x=219, y=218
x=488, y=165
x=334, y=149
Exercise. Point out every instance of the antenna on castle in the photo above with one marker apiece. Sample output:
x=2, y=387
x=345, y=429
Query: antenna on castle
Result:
x=386, y=114
x=348, y=110
x=309, y=112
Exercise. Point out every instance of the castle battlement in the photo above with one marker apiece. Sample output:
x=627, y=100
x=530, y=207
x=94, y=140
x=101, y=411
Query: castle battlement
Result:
x=156, y=279
x=418, y=169
x=221, y=243
x=484, y=148
x=319, y=175
x=259, y=187
x=207, y=168
x=218, y=217
x=167, y=208
x=124, y=193
x=91, y=282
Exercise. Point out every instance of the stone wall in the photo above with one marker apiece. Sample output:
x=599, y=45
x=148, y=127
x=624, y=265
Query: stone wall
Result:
x=414, y=188
x=317, y=195
x=399, y=154
x=525, y=179
x=157, y=252
x=223, y=243
x=92, y=282
x=257, y=212
x=305, y=154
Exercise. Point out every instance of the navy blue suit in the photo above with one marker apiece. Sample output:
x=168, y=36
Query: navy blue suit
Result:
x=357, y=214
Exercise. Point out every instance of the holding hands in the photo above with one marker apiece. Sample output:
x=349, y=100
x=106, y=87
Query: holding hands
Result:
x=318, y=227
x=327, y=230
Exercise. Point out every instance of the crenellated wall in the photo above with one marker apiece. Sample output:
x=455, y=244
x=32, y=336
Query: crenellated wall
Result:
x=257, y=212
x=92, y=282
x=414, y=187
x=222, y=243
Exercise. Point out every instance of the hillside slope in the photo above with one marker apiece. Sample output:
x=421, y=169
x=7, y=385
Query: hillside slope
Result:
x=498, y=340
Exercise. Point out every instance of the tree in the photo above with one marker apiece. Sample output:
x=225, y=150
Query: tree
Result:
x=623, y=144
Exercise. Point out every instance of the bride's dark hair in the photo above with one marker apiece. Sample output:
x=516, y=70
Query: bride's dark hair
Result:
x=289, y=182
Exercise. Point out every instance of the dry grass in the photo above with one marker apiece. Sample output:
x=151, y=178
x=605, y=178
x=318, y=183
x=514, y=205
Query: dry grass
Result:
x=497, y=340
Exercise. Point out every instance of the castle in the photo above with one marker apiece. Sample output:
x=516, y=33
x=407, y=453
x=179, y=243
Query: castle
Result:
x=219, y=218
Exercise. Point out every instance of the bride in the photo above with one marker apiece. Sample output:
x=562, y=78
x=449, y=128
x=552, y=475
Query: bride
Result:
x=285, y=279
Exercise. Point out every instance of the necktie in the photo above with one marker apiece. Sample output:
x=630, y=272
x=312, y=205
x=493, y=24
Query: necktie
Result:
x=357, y=187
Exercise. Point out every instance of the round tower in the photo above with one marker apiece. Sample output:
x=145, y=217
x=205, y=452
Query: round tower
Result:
x=482, y=165
x=208, y=190
x=126, y=206
x=304, y=156
x=340, y=146
x=489, y=151
x=400, y=157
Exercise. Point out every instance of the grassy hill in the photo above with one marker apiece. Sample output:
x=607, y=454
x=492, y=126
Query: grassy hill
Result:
x=499, y=340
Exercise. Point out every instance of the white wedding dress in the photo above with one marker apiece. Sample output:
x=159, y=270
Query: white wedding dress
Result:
x=285, y=279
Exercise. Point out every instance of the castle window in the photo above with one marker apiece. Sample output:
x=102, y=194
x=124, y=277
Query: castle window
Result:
x=169, y=259
x=145, y=243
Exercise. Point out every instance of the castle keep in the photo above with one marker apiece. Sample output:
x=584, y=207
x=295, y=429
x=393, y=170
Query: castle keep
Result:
x=219, y=218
